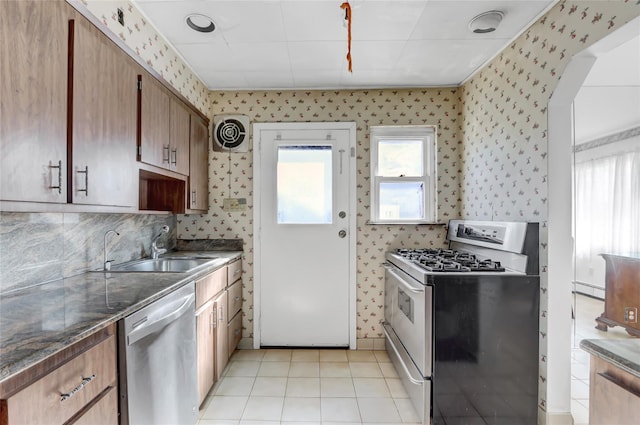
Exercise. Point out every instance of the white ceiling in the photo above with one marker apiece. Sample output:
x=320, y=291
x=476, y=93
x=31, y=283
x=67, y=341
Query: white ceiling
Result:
x=302, y=44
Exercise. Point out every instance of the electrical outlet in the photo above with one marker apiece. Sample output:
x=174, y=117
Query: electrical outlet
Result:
x=235, y=204
x=121, y=16
x=631, y=314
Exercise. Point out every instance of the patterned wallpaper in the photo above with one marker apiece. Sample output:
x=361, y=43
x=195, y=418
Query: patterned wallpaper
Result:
x=504, y=165
x=143, y=39
x=366, y=108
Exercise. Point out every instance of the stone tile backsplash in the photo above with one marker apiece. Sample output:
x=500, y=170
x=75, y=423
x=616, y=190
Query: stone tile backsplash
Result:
x=37, y=248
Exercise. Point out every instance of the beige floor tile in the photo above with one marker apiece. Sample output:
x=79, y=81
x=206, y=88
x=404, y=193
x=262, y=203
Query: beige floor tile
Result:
x=273, y=368
x=303, y=387
x=243, y=422
x=268, y=386
x=243, y=368
x=301, y=409
x=277, y=355
x=337, y=387
x=248, y=355
x=225, y=407
x=371, y=387
x=406, y=410
x=235, y=385
x=263, y=409
x=361, y=356
x=218, y=422
x=378, y=410
x=365, y=370
x=333, y=356
x=303, y=423
x=339, y=409
x=580, y=413
x=341, y=423
x=305, y=356
x=580, y=371
x=304, y=369
x=579, y=389
x=335, y=370
x=382, y=356
x=396, y=388
x=388, y=370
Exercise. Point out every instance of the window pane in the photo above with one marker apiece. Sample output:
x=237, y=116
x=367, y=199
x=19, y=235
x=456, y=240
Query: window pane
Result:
x=403, y=201
x=400, y=158
x=304, y=185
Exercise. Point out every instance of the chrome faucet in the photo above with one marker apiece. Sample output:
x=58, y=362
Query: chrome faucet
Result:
x=155, y=251
x=107, y=263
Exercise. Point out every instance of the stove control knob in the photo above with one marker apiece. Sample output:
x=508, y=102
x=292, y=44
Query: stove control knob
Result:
x=342, y=233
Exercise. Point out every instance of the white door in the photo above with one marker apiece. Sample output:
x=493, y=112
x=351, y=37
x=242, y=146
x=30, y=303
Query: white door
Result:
x=305, y=276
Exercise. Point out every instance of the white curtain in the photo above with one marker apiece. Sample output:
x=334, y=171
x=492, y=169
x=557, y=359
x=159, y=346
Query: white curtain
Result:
x=607, y=212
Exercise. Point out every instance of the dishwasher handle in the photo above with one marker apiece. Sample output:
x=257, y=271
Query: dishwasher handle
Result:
x=150, y=327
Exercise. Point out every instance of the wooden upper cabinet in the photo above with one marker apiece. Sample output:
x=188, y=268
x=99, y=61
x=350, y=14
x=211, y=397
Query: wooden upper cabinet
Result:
x=179, y=136
x=154, y=124
x=164, y=127
x=104, y=125
x=199, y=166
x=33, y=100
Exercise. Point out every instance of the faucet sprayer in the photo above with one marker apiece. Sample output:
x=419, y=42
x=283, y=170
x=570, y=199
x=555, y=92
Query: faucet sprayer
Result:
x=155, y=251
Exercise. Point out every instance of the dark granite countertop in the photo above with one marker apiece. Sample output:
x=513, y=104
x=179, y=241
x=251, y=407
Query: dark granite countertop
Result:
x=623, y=353
x=38, y=322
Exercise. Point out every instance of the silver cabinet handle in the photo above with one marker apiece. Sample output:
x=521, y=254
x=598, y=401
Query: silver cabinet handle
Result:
x=165, y=148
x=193, y=197
x=404, y=366
x=86, y=180
x=175, y=156
x=237, y=272
x=81, y=385
x=152, y=327
x=212, y=322
x=215, y=317
x=236, y=299
x=59, y=167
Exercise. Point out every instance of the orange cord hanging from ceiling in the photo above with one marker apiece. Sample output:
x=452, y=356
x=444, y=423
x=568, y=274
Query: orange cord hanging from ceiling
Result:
x=347, y=10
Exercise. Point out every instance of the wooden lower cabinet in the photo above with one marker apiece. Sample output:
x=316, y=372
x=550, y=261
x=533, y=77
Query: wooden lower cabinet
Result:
x=205, y=338
x=234, y=332
x=82, y=389
x=622, y=294
x=614, y=395
x=222, y=343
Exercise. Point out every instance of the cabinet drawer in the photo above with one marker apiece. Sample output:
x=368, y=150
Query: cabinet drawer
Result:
x=43, y=402
x=104, y=412
x=235, y=271
x=210, y=285
x=235, y=332
x=235, y=299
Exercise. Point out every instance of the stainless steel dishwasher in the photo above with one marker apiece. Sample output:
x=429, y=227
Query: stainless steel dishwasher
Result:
x=157, y=356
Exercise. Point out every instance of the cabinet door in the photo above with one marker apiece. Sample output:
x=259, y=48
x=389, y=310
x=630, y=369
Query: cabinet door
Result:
x=179, y=136
x=154, y=122
x=104, y=120
x=222, y=343
x=199, y=165
x=205, y=333
x=33, y=100
x=103, y=412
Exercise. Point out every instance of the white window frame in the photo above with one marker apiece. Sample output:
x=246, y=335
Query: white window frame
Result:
x=428, y=135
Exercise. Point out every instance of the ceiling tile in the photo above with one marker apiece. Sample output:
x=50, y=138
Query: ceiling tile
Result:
x=259, y=79
x=310, y=55
x=385, y=20
x=313, y=21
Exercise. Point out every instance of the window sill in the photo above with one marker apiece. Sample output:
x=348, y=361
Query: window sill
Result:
x=405, y=223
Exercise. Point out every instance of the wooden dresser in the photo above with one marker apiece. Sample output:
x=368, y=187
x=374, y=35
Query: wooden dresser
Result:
x=622, y=293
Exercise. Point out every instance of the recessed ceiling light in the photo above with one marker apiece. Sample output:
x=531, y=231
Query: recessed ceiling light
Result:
x=200, y=23
x=486, y=22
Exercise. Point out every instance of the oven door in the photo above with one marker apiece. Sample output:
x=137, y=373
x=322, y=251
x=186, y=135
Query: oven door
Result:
x=411, y=316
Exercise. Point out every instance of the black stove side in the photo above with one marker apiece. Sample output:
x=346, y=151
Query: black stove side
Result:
x=486, y=350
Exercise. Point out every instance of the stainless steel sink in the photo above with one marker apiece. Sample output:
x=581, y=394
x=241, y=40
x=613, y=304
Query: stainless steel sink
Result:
x=165, y=265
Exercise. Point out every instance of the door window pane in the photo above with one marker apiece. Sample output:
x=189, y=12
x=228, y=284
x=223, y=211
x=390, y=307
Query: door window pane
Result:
x=404, y=200
x=304, y=185
x=400, y=158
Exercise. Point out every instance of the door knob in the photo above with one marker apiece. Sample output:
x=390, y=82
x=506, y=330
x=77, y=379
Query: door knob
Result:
x=342, y=233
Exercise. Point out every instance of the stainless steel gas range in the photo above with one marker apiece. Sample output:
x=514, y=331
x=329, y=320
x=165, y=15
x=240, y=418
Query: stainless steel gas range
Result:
x=461, y=324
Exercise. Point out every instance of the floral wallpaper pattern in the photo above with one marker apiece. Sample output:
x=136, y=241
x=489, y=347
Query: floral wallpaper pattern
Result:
x=366, y=107
x=492, y=154
x=143, y=39
x=504, y=159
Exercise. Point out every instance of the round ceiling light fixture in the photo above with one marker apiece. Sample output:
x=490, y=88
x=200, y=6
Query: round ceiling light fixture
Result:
x=200, y=23
x=486, y=22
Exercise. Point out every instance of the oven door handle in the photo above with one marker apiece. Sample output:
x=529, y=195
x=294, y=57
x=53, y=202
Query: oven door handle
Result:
x=404, y=366
x=404, y=283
